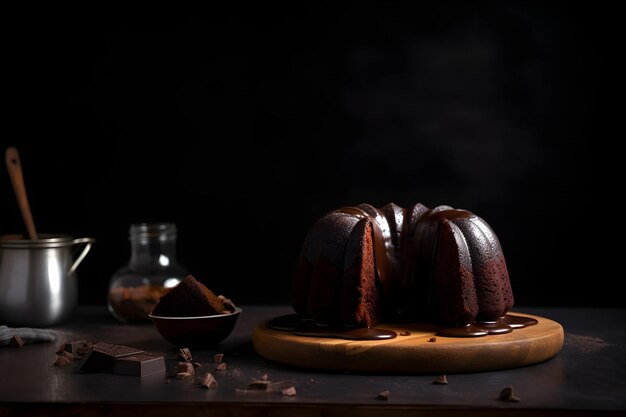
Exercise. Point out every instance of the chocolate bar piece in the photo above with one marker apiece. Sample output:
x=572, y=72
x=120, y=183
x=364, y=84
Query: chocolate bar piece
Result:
x=139, y=365
x=103, y=356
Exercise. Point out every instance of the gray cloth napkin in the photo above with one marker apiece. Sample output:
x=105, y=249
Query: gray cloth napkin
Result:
x=28, y=335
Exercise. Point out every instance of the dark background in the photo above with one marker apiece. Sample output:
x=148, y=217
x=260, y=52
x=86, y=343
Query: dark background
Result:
x=243, y=126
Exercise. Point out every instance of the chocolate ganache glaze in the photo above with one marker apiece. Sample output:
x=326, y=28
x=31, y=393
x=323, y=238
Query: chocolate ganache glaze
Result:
x=294, y=324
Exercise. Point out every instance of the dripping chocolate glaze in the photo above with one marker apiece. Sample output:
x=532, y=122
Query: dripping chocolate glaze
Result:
x=293, y=324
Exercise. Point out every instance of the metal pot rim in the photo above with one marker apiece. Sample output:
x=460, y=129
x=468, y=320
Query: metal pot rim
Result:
x=44, y=240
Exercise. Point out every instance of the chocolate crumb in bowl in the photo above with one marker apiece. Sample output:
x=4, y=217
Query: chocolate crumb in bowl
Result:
x=441, y=380
x=383, y=395
x=507, y=395
x=191, y=298
x=191, y=315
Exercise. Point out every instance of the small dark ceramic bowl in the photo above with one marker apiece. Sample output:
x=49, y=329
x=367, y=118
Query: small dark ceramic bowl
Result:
x=202, y=331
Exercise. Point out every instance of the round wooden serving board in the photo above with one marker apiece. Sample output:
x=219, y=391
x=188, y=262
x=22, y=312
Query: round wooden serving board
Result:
x=414, y=353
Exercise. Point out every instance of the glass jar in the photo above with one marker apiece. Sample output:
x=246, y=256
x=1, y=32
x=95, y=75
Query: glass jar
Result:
x=152, y=271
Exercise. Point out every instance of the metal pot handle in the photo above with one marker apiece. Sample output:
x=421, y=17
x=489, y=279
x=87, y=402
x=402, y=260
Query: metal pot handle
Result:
x=88, y=241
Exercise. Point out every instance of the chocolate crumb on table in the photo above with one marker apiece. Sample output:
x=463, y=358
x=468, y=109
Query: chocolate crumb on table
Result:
x=383, y=395
x=62, y=361
x=16, y=342
x=441, y=380
x=208, y=381
x=77, y=347
x=432, y=339
x=405, y=333
x=507, y=395
x=186, y=367
x=184, y=354
x=258, y=385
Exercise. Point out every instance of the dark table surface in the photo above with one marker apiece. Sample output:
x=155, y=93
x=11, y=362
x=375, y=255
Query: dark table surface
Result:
x=588, y=375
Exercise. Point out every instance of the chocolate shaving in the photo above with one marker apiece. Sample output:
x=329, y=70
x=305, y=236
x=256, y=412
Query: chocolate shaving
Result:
x=184, y=354
x=264, y=377
x=383, y=395
x=507, y=395
x=208, y=381
x=220, y=366
x=186, y=367
x=183, y=375
x=16, y=342
x=432, y=339
x=62, y=361
x=217, y=358
x=257, y=385
x=441, y=380
x=196, y=364
x=405, y=333
x=289, y=391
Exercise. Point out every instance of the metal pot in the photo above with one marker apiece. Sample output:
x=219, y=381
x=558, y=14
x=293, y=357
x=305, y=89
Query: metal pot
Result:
x=38, y=283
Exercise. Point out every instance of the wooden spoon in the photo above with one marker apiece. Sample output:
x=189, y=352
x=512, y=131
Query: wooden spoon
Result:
x=17, y=180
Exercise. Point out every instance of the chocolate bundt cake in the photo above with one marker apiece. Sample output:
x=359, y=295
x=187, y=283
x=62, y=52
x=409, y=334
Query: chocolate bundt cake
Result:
x=360, y=265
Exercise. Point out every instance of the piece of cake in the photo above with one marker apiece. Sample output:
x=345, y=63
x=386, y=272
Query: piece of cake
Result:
x=191, y=298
